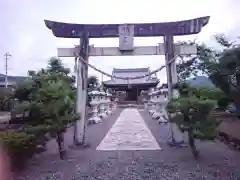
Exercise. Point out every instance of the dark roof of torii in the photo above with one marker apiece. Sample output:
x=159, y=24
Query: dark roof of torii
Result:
x=131, y=73
x=177, y=28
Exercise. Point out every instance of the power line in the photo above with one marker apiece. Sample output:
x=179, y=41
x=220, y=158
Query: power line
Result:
x=7, y=55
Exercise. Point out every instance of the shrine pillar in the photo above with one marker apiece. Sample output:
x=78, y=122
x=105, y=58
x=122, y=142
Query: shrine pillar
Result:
x=81, y=106
x=171, y=68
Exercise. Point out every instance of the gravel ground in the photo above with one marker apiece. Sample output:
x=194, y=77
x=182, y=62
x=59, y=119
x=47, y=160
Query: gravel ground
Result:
x=217, y=161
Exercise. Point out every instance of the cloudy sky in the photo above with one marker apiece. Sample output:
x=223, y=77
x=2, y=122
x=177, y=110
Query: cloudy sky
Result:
x=30, y=43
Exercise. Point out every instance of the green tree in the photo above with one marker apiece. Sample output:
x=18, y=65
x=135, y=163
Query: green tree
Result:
x=192, y=113
x=59, y=107
x=5, y=98
x=92, y=82
x=49, y=97
x=27, y=90
x=226, y=77
x=218, y=65
x=203, y=63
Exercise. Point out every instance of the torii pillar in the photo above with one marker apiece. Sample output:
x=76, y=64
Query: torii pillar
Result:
x=171, y=69
x=82, y=75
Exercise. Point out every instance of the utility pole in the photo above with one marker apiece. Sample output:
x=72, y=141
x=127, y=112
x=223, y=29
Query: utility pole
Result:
x=7, y=55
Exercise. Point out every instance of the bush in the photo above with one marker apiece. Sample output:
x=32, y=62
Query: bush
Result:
x=21, y=146
x=192, y=113
x=223, y=103
x=5, y=99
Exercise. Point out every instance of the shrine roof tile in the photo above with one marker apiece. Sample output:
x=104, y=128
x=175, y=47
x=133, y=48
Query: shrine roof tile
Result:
x=131, y=73
x=135, y=81
x=132, y=70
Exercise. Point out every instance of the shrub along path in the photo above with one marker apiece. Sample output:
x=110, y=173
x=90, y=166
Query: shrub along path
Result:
x=143, y=154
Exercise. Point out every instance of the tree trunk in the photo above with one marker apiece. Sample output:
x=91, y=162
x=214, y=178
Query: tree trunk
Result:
x=192, y=144
x=61, y=148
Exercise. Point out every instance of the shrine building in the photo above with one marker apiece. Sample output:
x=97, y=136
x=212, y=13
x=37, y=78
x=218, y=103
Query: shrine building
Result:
x=131, y=88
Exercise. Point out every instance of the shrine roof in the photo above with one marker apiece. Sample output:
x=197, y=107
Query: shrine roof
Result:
x=133, y=82
x=131, y=70
x=131, y=73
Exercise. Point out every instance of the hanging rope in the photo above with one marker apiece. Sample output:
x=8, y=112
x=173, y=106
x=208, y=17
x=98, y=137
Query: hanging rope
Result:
x=75, y=64
x=125, y=78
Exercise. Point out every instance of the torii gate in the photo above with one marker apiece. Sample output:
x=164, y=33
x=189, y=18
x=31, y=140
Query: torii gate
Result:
x=126, y=34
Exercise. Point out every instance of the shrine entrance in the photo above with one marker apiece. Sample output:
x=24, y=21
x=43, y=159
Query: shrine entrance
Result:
x=132, y=94
x=126, y=34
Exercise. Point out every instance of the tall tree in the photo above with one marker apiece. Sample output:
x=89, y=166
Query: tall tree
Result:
x=51, y=97
x=221, y=66
x=192, y=113
x=59, y=107
x=202, y=63
x=227, y=76
x=92, y=82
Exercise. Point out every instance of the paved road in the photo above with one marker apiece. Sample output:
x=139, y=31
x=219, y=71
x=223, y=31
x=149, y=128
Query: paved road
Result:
x=129, y=145
x=129, y=133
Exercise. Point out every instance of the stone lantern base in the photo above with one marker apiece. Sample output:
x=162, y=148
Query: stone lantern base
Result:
x=95, y=118
x=156, y=115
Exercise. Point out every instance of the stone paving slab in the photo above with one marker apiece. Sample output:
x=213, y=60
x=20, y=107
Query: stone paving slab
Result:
x=129, y=133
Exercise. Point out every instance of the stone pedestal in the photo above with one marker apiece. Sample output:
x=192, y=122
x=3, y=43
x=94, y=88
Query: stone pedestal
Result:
x=145, y=106
x=106, y=108
x=152, y=108
x=109, y=111
x=102, y=112
x=114, y=106
x=95, y=118
x=163, y=118
x=155, y=114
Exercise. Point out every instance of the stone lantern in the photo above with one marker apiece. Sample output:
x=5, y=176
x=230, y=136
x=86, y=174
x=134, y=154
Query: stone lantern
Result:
x=108, y=110
x=106, y=103
x=155, y=102
x=102, y=112
x=164, y=94
x=163, y=101
x=144, y=96
x=95, y=97
x=152, y=108
x=114, y=104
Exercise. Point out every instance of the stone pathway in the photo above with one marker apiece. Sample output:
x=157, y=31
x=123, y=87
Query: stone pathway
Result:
x=217, y=161
x=129, y=133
